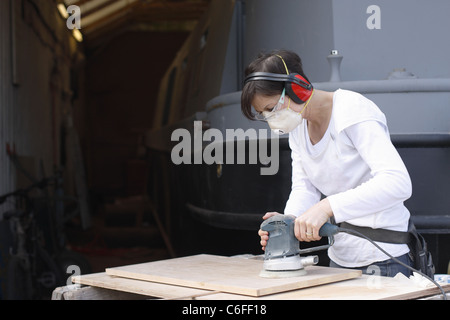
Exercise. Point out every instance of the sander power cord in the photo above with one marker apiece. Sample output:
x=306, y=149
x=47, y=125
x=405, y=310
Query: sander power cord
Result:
x=358, y=234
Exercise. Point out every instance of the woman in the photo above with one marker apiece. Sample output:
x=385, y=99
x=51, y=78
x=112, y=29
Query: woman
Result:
x=341, y=149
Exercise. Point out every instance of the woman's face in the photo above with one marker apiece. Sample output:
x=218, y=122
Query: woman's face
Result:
x=269, y=104
x=279, y=114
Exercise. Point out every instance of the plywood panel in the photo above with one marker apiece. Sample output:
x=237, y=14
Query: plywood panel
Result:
x=152, y=289
x=366, y=287
x=227, y=274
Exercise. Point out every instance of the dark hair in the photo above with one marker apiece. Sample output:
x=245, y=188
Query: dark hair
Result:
x=268, y=62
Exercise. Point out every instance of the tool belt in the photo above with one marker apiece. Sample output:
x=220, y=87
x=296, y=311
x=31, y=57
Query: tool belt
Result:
x=419, y=253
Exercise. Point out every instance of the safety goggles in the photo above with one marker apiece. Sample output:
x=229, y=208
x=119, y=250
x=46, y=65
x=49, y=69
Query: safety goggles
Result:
x=265, y=115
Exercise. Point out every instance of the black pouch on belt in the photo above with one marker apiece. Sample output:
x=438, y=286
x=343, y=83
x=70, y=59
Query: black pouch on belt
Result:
x=418, y=249
x=421, y=257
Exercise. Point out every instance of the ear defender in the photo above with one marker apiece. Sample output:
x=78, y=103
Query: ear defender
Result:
x=299, y=90
x=297, y=87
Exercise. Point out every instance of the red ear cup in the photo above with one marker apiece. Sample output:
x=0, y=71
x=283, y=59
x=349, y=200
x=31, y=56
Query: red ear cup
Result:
x=296, y=92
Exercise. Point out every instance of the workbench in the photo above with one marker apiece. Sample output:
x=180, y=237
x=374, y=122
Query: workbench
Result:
x=108, y=286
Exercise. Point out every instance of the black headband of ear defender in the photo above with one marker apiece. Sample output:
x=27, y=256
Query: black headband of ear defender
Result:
x=277, y=77
x=297, y=87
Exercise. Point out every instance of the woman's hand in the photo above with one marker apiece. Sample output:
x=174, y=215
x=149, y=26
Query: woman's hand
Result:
x=264, y=234
x=308, y=224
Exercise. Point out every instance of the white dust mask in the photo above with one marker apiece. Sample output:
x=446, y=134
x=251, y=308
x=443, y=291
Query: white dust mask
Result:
x=283, y=121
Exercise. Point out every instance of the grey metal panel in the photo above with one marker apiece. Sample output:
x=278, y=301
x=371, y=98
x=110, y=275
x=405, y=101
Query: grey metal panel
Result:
x=303, y=26
x=413, y=35
x=410, y=105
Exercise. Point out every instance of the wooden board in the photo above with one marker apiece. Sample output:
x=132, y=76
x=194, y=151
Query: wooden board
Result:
x=156, y=290
x=366, y=287
x=227, y=274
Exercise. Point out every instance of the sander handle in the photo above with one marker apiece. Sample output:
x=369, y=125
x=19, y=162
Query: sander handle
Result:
x=328, y=230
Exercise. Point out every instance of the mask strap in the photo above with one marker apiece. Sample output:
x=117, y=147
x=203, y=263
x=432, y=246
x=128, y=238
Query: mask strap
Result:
x=307, y=102
x=287, y=71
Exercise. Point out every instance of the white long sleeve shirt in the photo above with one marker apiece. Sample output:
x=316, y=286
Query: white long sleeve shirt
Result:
x=356, y=166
